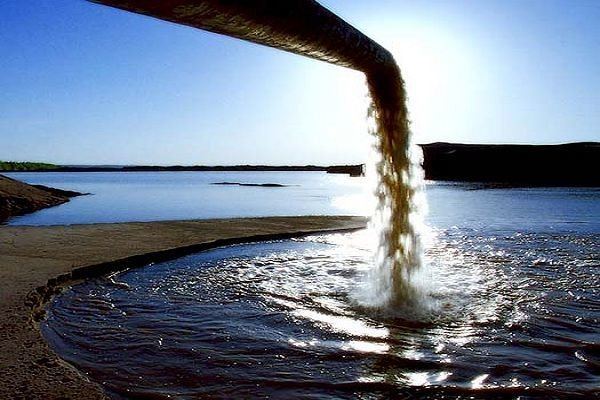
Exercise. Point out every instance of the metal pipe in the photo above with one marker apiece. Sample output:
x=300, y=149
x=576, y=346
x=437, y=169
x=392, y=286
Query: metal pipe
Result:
x=298, y=26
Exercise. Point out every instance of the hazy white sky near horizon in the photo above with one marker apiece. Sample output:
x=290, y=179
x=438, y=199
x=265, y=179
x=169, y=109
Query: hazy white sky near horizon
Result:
x=85, y=84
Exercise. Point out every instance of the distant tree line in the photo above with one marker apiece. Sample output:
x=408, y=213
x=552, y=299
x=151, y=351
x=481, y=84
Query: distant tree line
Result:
x=25, y=166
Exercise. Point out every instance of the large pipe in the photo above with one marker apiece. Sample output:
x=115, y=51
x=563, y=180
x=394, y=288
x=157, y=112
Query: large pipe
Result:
x=298, y=26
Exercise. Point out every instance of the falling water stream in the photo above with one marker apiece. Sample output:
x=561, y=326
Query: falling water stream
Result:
x=398, y=252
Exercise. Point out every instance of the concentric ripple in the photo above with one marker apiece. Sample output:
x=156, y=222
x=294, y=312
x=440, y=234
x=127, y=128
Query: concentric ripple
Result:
x=499, y=317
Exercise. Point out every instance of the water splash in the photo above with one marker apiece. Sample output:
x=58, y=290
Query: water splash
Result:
x=399, y=175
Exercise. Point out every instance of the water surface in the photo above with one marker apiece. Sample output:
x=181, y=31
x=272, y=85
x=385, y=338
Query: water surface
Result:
x=155, y=196
x=508, y=306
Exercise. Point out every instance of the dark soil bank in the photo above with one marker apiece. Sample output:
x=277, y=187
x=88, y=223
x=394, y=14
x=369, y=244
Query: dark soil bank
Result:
x=18, y=198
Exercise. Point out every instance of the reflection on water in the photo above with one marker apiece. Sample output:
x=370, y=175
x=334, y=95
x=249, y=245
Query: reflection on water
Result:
x=502, y=315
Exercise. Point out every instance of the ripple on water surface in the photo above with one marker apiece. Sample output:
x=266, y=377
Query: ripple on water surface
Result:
x=499, y=316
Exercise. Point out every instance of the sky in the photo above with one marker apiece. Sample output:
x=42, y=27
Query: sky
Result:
x=85, y=84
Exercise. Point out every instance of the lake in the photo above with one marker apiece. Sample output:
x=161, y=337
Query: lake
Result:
x=153, y=196
x=507, y=303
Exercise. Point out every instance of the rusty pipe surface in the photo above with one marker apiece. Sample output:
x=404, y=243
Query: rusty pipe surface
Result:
x=299, y=26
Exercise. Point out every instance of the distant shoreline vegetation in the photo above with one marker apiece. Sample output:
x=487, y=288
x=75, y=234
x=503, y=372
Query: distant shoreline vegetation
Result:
x=354, y=170
x=13, y=166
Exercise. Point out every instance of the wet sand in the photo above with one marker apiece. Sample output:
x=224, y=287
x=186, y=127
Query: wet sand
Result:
x=36, y=262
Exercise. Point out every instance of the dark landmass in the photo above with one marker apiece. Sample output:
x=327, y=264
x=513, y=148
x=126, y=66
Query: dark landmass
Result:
x=18, y=198
x=573, y=164
x=25, y=166
x=353, y=170
x=268, y=185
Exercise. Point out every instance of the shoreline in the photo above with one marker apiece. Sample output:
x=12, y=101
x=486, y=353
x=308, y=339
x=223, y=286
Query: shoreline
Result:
x=39, y=262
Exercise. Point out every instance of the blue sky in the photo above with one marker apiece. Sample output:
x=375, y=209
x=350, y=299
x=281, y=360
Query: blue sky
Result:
x=85, y=84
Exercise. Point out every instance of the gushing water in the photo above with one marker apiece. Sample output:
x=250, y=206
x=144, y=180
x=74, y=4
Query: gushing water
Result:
x=398, y=255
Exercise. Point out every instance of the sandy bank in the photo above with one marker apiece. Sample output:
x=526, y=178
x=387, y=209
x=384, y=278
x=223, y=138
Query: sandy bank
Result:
x=36, y=261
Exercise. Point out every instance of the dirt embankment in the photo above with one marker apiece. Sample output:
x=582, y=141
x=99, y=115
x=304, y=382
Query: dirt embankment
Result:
x=18, y=198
